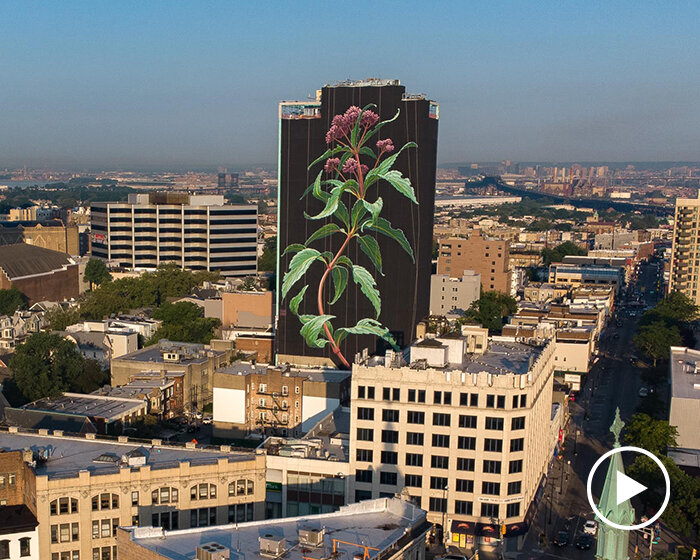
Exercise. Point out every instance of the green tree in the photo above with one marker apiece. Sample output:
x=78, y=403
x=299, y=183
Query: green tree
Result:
x=58, y=318
x=91, y=378
x=490, y=310
x=96, y=273
x=268, y=260
x=560, y=251
x=11, y=300
x=650, y=434
x=184, y=322
x=656, y=339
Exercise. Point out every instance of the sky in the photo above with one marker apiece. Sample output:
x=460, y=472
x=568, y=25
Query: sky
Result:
x=177, y=84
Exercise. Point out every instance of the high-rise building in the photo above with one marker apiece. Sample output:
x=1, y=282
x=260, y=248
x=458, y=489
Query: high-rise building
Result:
x=227, y=180
x=685, y=273
x=405, y=286
x=196, y=232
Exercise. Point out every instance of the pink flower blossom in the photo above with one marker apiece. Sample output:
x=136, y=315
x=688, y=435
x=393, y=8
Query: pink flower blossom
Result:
x=331, y=164
x=350, y=166
x=369, y=118
x=364, y=169
x=385, y=145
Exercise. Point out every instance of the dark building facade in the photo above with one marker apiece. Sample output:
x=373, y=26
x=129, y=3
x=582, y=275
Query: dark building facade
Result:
x=405, y=286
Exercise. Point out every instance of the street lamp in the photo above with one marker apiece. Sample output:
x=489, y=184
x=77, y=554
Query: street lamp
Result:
x=444, y=517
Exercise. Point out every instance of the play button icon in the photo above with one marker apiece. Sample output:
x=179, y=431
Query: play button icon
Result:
x=621, y=488
x=627, y=488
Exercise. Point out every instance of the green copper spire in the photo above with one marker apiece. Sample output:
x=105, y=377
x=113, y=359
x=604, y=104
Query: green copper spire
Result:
x=613, y=544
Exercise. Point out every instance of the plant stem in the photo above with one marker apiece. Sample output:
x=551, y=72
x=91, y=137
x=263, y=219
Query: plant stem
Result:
x=329, y=268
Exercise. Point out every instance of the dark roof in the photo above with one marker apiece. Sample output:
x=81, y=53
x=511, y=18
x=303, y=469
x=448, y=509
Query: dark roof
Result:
x=37, y=419
x=430, y=343
x=30, y=223
x=16, y=519
x=20, y=259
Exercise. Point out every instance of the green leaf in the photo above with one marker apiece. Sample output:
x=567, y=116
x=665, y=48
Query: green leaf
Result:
x=369, y=247
x=367, y=285
x=342, y=214
x=379, y=126
x=340, y=281
x=331, y=203
x=367, y=151
x=328, y=153
x=324, y=231
x=343, y=260
x=401, y=184
x=297, y=268
x=312, y=329
x=296, y=300
x=384, y=227
x=367, y=326
x=358, y=210
x=327, y=256
x=294, y=248
x=356, y=128
x=375, y=174
x=315, y=188
x=374, y=208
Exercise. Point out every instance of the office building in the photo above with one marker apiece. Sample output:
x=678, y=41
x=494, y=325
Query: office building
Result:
x=86, y=487
x=195, y=232
x=589, y=275
x=462, y=427
x=490, y=258
x=453, y=295
x=685, y=253
x=685, y=406
x=303, y=127
x=390, y=529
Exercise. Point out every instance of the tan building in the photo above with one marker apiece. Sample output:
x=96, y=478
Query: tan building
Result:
x=486, y=257
x=466, y=435
x=86, y=488
x=685, y=254
x=51, y=235
x=196, y=362
x=258, y=398
x=247, y=319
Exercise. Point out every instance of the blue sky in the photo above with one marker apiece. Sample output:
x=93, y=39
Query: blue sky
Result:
x=196, y=84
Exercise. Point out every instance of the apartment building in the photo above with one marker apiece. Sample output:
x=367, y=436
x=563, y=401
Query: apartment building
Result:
x=85, y=488
x=577, y=275
x=196, y=232
x=462, y=427
x=452, y=295
x=490, y=258
x=685, y=253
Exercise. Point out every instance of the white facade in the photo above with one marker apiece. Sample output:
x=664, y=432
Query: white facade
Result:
x=450, y=295
x=229, y=405
x=21, y=543
x=685, y=405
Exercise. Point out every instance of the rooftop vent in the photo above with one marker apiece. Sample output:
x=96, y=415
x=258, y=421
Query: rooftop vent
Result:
x=271, y=545
x=213, y=551
x=311, y=537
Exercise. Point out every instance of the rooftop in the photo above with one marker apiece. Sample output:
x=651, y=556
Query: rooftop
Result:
x=375, y=523
x=189, y=353
x=685, y=373
x=20, y=260
x=67, y=455
x=16, y=519
x=320, y=375
x=98, y=406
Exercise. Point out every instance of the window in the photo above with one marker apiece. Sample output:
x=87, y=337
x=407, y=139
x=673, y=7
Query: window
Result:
x=390, y=415
x=95, y=529
x=465, y=485
x=440, y=419
x=74, y=532
x=389, y=457
x=105, y=501
x=490, y=401
x=411, y=395
x=364, y=455
x=363, y=475
x=441, y=440
x=414, y=438
x=414, y=460
x=523, y=401
x=467, y=421
x=62, y=505
x=396, y=394
x=361, y=391
x=24, y=547
x=437, y=397
x=390, y=436
x=365, y=434
x=465, y=464
x=447, y=398
x=517, y=444
x=134, y=498
x=365, y=413
x=514, y=487
x=391, y=394
x=515, y=466
x=386, y=394
x=464, y=508
x=491, y=488
x=495, y=445
x=415, y=417
x=438, y=482
x=421, y=395
x=241, y=487
x=516, y=400
x=438, y=504
x=389, y=478
x=492, y=467
x=5, y=548
x=513, y=510
x=439, y=462
x=464, y=399
x=202, y=491
x=494, y=423
x=501, y=401
x=489, y=510
x=105, y=528
x=517, y=423
x=466, y=442
x=413, y=480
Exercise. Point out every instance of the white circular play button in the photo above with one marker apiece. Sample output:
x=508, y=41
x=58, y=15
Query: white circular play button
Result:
x=626, y=487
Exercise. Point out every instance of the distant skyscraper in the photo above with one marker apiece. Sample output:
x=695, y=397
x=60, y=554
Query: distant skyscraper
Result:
x=227, y=180
x=684, y=274
x=405, y=288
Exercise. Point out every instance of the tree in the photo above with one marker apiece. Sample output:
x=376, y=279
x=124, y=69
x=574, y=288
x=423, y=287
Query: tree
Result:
x=490, y=310
x=58, y=318
x=268, y=260
x=656, y=339
x=11, y=300
x=96, y=273
x=184, y=322
x=92, y=377
x=560, y=251
x=650, y=434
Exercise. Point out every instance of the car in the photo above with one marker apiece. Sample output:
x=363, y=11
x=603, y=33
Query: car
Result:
x=644, y=392
x=590, y=527
x=584, y=542
x=207, y=420
x=562, y=539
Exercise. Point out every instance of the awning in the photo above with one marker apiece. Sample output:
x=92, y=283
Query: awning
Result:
x=463, y=527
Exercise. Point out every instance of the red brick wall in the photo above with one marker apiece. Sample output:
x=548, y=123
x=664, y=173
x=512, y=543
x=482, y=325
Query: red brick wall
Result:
x=60, y=285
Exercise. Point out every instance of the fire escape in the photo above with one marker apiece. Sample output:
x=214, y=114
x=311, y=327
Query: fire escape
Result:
x=277, y=409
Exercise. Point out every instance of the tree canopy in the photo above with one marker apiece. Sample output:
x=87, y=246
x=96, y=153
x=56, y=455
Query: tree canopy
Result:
x=490, y=310
x=96, y=273
x=268, y=260
x=185, y=322
x=649, y=433
x=656, y=339
x=560, y=251
x=58, y=318
x=11, y=300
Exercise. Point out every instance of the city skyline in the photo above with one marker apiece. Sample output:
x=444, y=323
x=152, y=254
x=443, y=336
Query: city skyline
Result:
x=160, y=85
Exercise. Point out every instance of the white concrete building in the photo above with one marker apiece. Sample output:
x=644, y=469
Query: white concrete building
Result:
x=19, y=536
x=453, y=295
x=685, y=405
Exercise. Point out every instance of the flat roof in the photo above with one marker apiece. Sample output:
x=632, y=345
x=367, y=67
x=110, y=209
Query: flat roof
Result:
x=107, y=407
x=504, y=357
x=376, y=523
x=69, y=455
x=320, y=375
x=685, y=373
x=154, y=353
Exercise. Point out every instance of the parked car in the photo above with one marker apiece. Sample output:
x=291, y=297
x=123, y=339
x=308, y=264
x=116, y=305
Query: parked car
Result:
x=590, y=527
x=584, y=542
x=562, y=539
x=644, y=392
x=207, y=420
